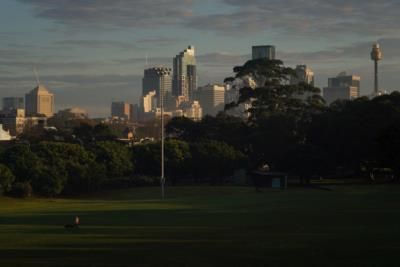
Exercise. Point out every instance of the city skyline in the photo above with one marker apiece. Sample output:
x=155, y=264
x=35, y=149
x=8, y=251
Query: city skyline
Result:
x=93, y=48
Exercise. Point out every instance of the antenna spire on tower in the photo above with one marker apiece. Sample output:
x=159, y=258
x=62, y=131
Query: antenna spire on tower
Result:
x=36, y=76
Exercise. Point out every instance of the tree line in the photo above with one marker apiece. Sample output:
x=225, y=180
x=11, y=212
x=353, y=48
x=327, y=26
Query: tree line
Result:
x=289, y=128
x=49, y=168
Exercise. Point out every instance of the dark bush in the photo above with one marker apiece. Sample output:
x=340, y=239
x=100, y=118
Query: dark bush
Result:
x=21, y=190
x=214, y=161
x=6, y=179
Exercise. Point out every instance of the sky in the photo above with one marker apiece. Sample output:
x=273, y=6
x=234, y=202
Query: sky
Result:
x=92, y=52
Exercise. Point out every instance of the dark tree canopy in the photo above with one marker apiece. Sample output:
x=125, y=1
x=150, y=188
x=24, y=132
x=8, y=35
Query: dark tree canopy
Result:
x=273, y=94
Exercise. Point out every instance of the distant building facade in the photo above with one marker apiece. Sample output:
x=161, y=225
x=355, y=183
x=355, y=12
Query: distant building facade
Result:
x=157, y=79
x=303, y=75
x=149, y=102
x=13, y=103
x=13, y=121
x=343, y=86
x=39, y=101
x=264, y=51
x=4, y=135
x=184, y=81
x=192, y=110
x=211, y=98
x=121, y=110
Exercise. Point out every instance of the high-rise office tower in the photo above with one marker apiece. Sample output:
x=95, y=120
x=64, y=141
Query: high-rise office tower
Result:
x=342, y=87
x=157, y=79
x=211, y=98
x=121, y=110
x=263, y=51
x=184, y=81
x=39, y=101
x=13, y=103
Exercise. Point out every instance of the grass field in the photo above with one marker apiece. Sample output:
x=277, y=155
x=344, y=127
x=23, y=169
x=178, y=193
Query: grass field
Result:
x=206, y=226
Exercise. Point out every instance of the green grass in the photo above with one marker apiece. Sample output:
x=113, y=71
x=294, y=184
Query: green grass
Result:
x=206, y=226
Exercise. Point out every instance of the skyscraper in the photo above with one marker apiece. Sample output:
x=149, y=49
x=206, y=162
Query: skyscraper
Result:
x=157, y=79
x=343, y=86
x=263, y=51
x=39, y=101
x=184, y=81
x=211, y=98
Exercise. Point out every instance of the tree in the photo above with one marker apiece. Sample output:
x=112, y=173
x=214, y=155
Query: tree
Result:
x=349, y=131
x=49, y=182
x=88, y=133
x=215, y=160
x=177, y=159
x=388, y=150
x=6, y=179
x=23, y=163
x=116, y=158
x=184, y=128
x=280, y=113
x=222, y=127
x=272, y=94
x=306, y=161
x=73, y=168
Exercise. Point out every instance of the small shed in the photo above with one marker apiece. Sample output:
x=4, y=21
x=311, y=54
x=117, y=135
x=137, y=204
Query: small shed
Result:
x=267, y=179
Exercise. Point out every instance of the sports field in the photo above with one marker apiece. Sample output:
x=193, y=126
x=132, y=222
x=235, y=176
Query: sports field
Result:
x=206, y=226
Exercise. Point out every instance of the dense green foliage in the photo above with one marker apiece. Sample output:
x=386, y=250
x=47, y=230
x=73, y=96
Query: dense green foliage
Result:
x=215, y=160
x=54, y=168
x=59, y=168
x=115, y=157
x=207, y=161
x=6, y=179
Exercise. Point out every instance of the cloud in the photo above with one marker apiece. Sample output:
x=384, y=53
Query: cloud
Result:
x=109, y=14
x=232, y=17
x=96, y=44
x=161, y=40
x=321, y=17
x=216, y=59
x=222, y=59
x=356, y=51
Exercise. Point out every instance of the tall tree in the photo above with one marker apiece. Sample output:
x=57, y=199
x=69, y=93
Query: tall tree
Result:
x=280, y=112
